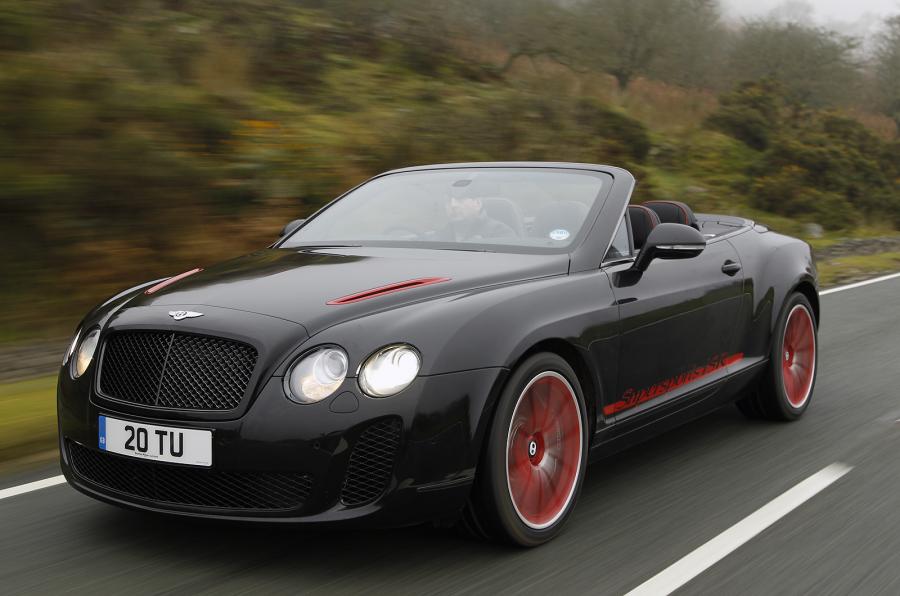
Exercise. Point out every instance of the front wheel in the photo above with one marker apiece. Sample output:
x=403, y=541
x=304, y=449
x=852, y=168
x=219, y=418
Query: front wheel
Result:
x=787, y=385
x=536, y=453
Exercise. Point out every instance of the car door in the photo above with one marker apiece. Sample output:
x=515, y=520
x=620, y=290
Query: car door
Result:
x=677, y=328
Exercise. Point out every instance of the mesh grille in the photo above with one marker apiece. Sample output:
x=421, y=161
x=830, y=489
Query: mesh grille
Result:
x=198, y=487
x=133, y=365
x=176, y=370
x=371, y=463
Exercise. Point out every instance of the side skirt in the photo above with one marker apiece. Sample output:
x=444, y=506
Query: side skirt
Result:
x=612, y=439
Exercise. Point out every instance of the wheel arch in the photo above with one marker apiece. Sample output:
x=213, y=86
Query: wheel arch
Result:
x=806, y=288
x=587, y=376
x=786, y=268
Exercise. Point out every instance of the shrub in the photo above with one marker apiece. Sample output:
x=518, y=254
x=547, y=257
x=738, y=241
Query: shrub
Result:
x=785, y=191
x=629, y=135
x=750, y=114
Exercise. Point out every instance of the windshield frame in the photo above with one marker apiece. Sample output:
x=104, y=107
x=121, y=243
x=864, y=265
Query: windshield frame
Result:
x=607, y=178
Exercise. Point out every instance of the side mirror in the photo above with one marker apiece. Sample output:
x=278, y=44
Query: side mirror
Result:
x=291, y=227
x=670, y=241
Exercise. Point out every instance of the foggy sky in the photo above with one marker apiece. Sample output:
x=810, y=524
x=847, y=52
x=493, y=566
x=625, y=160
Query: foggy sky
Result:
x=824, y=11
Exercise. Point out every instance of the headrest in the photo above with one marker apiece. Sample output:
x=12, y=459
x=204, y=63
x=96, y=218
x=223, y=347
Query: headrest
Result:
x=673, y=212
x=643, y=219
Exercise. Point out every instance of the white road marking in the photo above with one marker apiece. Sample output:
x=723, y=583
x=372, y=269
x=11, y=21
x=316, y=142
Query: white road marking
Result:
x=31, y=486
x=859, y=284
x=693, y=564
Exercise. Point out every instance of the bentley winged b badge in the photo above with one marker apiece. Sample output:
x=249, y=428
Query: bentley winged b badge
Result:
x=184, y=314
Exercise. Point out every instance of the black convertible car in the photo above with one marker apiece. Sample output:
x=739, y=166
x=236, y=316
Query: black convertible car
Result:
x=441, y=342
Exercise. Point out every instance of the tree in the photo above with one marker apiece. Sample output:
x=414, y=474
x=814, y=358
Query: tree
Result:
x=626, y=38
x=628, y=35
x=887, y=69
x=694, y=56
x=525, y=28
x=814, y=66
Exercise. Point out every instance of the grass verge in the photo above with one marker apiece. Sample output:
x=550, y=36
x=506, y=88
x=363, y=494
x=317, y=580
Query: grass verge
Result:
x=854, y=268
x=27, y=418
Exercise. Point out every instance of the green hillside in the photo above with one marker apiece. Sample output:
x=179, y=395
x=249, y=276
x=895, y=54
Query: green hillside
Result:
x=143, y=139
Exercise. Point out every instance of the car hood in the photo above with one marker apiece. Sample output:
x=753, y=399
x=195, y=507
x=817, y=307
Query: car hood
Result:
x=297, y=284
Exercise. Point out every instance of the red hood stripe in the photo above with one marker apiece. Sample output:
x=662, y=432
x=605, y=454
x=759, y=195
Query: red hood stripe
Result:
x=171, y=280
x=388, y=289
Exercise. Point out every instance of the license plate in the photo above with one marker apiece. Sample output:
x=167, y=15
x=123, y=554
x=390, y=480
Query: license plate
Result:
x=159, y=443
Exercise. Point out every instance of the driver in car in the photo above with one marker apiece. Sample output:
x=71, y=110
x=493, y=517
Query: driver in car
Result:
x=470, y=223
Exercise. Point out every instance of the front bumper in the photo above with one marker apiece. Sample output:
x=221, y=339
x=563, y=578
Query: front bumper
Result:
x=441, y=421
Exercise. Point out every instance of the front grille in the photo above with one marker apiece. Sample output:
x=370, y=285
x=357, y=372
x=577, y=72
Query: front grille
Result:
x=371, y=463
x=197, y=487
x=167, y=369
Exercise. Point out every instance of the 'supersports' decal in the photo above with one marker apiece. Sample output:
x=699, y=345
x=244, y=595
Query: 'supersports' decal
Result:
x=632, y=397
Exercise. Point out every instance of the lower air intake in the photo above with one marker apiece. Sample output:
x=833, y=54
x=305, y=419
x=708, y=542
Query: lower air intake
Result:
x=371, y=463
x=194, y=487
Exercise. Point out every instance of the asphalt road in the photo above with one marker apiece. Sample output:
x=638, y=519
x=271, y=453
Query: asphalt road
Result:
x=639, y=512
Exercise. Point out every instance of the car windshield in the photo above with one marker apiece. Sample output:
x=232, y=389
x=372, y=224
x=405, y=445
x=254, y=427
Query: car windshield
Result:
x=536, y=209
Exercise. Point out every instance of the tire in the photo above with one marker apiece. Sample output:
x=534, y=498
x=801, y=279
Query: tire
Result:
x=538, y=438
x=787, y=385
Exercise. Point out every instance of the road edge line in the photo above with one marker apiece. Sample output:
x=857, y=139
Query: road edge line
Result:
x=693, y=564
x=31, y=486
x=859, y=284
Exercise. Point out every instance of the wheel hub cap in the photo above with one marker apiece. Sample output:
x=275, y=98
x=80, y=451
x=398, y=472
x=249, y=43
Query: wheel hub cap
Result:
x=536, y=449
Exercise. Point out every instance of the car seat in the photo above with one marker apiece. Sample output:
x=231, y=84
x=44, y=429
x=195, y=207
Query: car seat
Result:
x=643, y=220
x=673, y=212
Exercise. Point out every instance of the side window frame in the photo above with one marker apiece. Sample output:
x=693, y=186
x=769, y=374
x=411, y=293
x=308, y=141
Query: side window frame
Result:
x=609, y=260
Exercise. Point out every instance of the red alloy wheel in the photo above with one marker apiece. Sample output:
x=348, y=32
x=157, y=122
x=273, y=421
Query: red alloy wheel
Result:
x=543, y=450
x=798, y=356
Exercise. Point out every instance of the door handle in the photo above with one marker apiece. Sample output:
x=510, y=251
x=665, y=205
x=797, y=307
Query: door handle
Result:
x=729, y=267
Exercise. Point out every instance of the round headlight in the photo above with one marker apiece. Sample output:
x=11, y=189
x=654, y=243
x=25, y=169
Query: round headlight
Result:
x=85, y=354
x=316, y=376
x=389, y=371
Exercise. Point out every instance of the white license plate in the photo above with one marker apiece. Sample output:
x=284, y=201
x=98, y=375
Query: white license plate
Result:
x=159, y=443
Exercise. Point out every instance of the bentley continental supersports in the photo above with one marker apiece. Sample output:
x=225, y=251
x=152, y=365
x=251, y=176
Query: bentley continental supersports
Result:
x=441, y=343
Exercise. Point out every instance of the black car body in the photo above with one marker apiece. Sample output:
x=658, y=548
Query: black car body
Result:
x=651, y=346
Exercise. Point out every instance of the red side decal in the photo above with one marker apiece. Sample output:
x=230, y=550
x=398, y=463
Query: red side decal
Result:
x=388, y=289
x=171, y=280
x=632, y=397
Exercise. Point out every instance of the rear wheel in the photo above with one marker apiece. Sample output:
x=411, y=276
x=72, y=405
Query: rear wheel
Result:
x=535, y=457
x=787, y=385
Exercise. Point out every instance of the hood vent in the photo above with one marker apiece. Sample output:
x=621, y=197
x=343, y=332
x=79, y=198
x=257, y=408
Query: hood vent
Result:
x=388, y=289
x=171, y=280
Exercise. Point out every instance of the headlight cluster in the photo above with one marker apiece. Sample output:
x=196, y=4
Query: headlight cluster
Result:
x=317, y=375
x=84, y=352
x=320, y=373
x=389, y=371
